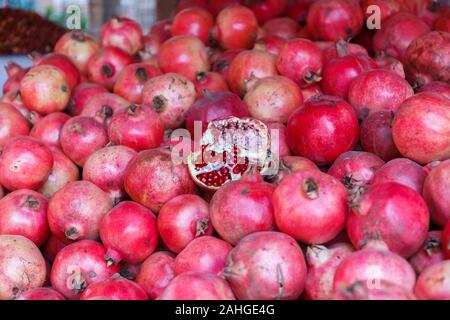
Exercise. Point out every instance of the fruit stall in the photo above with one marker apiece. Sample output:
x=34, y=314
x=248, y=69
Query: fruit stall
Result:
x=225, y=150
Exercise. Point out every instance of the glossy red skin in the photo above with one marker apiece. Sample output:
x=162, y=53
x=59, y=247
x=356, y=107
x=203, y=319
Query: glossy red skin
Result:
x=301, y=61
x=209, y=82
x=427, y=58
x=285, y=28
x=222, y=62
x=81, y=137
x=266, y=10
x=247, y=68
x=41, y=294
x=137, y=127
x=106, y=169
x=103, y=106
x=114, y=289
x=322, y=265
x=446, y=241
x=402, y=171
x=434, y=282
x=215, y=106
x=382, y=291
x=272, y=44
x=437, y=87
x=436, y=193
x=331, y=51
x=48, y=129
x=308, y=137
x=19, y=256
x=276, y=253
x=183, y=219
x=197, y=286
x=81, y=96
x=15, y=74
x=52, y=247
x=63, y=63
x=156, y=273
x=171, y=95
x=390, y=64
x=79, y=265
x=421, y=134
x=185, y=55
x=13, y=124
x=164, y=181
x=129, y=233
x=132, y=79
x=64, y=171
x=395, y=212
x=123, y=33
x=236, y=28
x=355, y=169
x=76, y=211
x=430, y=254
x=193, y=21
x=333, y=19
x=105, y=66
x=79, y=47
x=25, y=163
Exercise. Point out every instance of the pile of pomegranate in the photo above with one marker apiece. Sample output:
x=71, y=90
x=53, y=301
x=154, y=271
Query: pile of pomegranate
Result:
x=250, y=150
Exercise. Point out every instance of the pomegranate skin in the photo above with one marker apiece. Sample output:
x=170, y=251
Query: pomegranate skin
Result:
x=79, y=265
x=183, y=219
x=164, y=179
x=382, y=291
x=208, y=82
x=309, y=137
x=390, y=64
x=18, y=257
x=48, y=129
x=421, y=134
x=322, y=265
x=103, y=106
x=15, y=74
x=193, y=21
x=52, y=247
x=41, y=294
x=376, y=135
x=266, y=10
x=75, y=212
x=122, y=33
x=156, y=273
x=331, y=51
x=395, y=212
x=440, y=87
x=436, y=193
x=222, y=62
x=13, y=124
x=271, y=44
x=276, y=253
x=388, y=8
x=402, y=171
x=129, y=233
x=446, y=241
x=197, y=286
x=430, y=254
x=81, y=96
x=434, y=282
x=25, y=163
x=114, y=289
x=378, y=90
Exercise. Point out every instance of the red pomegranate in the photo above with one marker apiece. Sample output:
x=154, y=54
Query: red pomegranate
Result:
x=298, y=10
x=162, y=30
x=81, y=96
x=434, y=282
x=123, y=33
x=41, y=294
x=284, y=27
x=340, y=47
x=266, y=10
x=272, y=44
x=15, y=75
x=442, y=22
x=210, y=82
x=446, y=241
x=387, y=8
x=48, y=129
x=390, y=64
x=103, y=106
x=440, y=87
x=114, y=289
x=52, y=247
x=13, y=124
x=222, y=62
x=430, y=254
x=194, y=21
x=436, y=191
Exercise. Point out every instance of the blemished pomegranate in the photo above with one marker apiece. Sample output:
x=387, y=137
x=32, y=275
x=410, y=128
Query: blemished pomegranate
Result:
x=193, y=21
x=157, y=166
x=396, y=213
x=81, y=96
x=402, y=171
x=114, y=289
x=106, y=169
x=183, y=219
x=378, y=90
x=41, y=294
x=384, y=290
x=434, y=282
x=24, y=213
x=324, y=128
x=273, y=99
x=123, y=33
x=15, y=74
x=79, y=47
x=421, y=134
x=197, y=286
x=103, y=106
x=301, y=61
x=76, y=211
x=276, y=253
x=334, y=19
x=48, y=129
x=171, y=95
x=13, y=124
x=209, y=82
x=390, y=64
x=430, y=254
x=19, y=256
x=156, y=273
x=222, y=62
x=25, y=163
x=322, y=265
x=79, y=265
x=52, y=247
x=440, y=87
x=271, y=44
x=436, y=193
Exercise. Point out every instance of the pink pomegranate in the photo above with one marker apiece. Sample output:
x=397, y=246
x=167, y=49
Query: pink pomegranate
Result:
x=13, y=124
x=193, y=21
x=390, y=64
x=52, y=247
x=434, y=282
x=436, y=191
x=114, y=289
x=430, y=254
x=440, y=87
x=15, y=75
x=123, y=33
x=103, y=106
x=383, y=290
x=44, y=294
x=284, y=27
x=14, y=99
x=209, y=82
x=82, y=95
x=48, y=129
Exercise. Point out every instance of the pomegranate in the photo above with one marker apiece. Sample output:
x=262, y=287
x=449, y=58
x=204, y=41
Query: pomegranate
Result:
x=44, y=294
x=216, y=6
x=440, y=87
x=197, y=286
x=446, y=241
x=114, y=289
x=209, y=82
x=324, y=128
x=123, y=33
x=434, y=282
x=436, y=191
x=222, y=62
x=421, y=134
x=79, y=47
x=152, y=46
x=156, y=273
x=301, y=61
x=103, y=106
x=15, y=75
x=388, y=8
x=285, y=28
x=14, y=99
x=290, y=164
x=322, y=265
x=44, y=89
x=171, y=95
x=22, y=266
x=13, y=124
x=25, y=163
x=332, y=50
x=48, y=129
x=390, y=64
x=79, y=265
x=382, y=291
x=75, y=212
x=266, y=10
x=193, y=21
x=81, y=96
x=164, y=179
x=162, y=30
x=313, y=90
x=430, y=254
x=271, y=44
x=52, y=247
x=442, y=22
